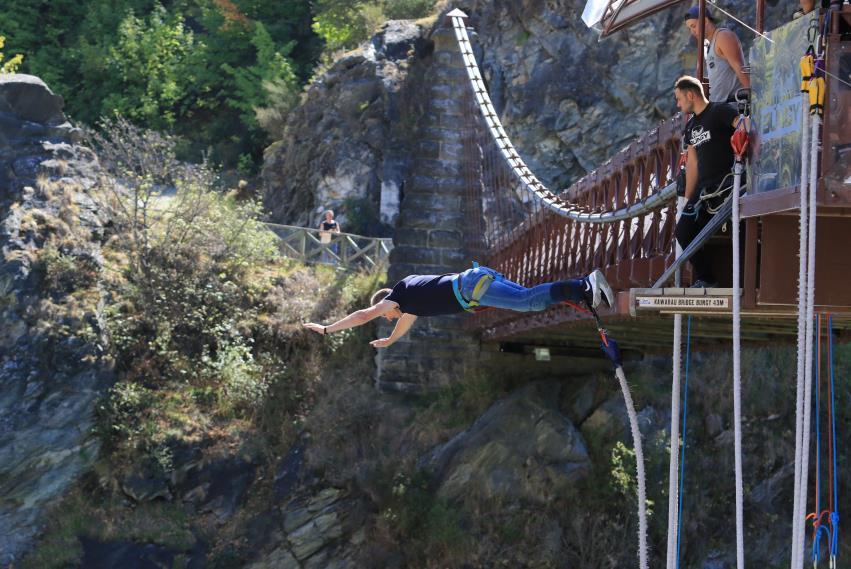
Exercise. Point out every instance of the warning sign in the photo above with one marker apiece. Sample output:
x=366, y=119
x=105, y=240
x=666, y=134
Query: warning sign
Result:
x=683, y=302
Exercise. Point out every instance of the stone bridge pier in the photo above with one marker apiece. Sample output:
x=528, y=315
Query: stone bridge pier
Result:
x=430, y=236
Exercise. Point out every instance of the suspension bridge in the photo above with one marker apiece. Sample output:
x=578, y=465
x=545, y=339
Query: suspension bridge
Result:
x=621, y=219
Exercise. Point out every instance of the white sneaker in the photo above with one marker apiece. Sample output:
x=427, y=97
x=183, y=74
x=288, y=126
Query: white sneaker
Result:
x=600, y=289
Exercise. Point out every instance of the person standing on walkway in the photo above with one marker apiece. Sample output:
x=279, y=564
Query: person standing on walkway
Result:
x=708, y=168
x=327, y=227
x=725, y=60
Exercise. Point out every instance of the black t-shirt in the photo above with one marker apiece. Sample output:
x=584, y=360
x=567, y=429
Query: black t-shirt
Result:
x=328, y=225
x=709, y=133
x=426, y=295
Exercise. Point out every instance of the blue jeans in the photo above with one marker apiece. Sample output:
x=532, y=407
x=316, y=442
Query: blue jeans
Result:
x=503, y=293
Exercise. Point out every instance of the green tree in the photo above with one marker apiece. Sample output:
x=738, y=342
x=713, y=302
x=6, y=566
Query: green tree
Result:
x=253, y=83
x=152, y=65
x=11, y=65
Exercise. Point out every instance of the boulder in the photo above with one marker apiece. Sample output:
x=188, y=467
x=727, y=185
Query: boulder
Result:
x=29, y=98
x=522, y=448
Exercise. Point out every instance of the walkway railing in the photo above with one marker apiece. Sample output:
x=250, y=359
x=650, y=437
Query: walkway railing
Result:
x=344, y=249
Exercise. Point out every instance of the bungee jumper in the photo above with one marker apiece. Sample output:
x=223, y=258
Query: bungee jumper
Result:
x=476, y=288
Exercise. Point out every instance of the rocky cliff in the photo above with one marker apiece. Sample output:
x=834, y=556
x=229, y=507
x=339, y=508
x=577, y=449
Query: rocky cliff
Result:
x=350, y=138
x=568, y=100
x=51, y=369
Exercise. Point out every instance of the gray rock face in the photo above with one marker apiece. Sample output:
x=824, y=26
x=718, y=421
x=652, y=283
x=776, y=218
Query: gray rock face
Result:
x=312, y=527
x=348, y=138
x=567, y=100
x=27, y=97
x=522, y=448
x=50, y=378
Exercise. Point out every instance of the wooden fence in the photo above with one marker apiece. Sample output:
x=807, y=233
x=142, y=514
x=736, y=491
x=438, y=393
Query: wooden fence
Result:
x=345, y=250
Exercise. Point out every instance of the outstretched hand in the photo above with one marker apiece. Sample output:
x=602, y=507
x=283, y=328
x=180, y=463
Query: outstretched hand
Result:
x=381, y=343
x=318, y=328
x=611, y=350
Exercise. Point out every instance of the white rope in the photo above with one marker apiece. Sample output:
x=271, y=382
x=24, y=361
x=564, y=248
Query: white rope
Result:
x=673, y=470
x=737, y=370
x=639, y=467
x=797, y=517
x=808, y=363
x=674, y=466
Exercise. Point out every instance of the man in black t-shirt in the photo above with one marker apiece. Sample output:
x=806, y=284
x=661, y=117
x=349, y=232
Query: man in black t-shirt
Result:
x=452, y=293
x=710, y=161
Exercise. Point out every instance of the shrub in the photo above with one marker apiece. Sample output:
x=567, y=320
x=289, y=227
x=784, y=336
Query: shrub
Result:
x=11, y=65
x=344, y=25
x=428, y=525
x=243, y=386
x=64, y=272
x=121, y=412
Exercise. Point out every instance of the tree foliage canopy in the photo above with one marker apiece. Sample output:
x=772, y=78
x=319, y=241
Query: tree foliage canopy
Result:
x=220, y=75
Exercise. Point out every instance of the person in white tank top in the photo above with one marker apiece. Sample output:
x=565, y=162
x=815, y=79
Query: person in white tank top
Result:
x=724, y=59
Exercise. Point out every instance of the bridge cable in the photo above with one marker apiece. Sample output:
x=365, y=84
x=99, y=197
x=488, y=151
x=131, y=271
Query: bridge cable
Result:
x=518, y=167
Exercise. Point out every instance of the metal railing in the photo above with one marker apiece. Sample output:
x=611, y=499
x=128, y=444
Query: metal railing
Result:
x=346, y=250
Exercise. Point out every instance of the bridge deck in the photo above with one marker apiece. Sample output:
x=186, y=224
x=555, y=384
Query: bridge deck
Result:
x=563, y=328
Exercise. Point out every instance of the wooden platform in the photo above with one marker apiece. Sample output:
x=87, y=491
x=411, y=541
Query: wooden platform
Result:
x=642, y=322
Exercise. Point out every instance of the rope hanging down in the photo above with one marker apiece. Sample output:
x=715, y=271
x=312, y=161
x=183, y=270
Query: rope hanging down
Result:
x=834, y=489
x=683, y=457
x=739, y=142
x=673, y=467
x=610, y=348
x=804, y=441
x=519, y=168
x=825, y=522
x=803, y=220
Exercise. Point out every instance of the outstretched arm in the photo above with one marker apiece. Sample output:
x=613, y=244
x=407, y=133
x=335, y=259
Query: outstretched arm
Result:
x=354, y=319
x=402, y=326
